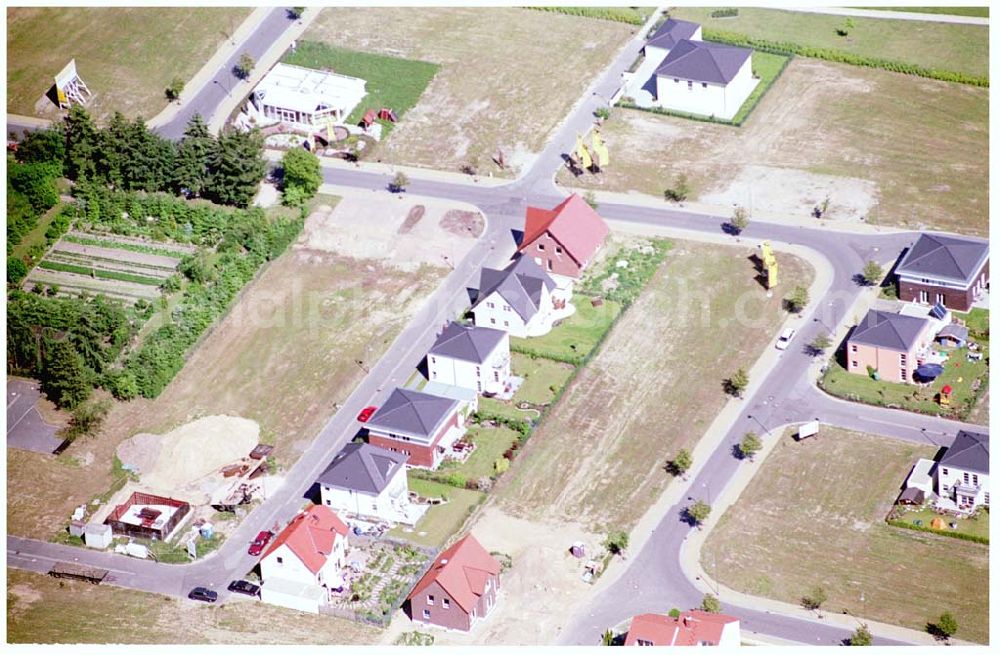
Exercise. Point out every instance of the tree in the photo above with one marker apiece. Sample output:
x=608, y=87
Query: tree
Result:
x=87, y=420
x=815, y=598
x=244, y=66
x=191, y=173
x=737, y=383
x=699, y=511
x=680, y=191
x=399, y=182
x=872, y=273
x=797, y=299
x=681, y=462
x=16, y=270
x=295, y=13
x=64, y=379
x=175, y=89
x=301, y=175
x=236, y=167
x=608, y=638
x=710, y=603
x=750, y=445
x=946, y=626
x=821, y=342
x=674, y=613
x=616, y=542
x=46, y=146
x=590, y=199
x=740, y=220
x=36, y=182
x=862, y=636
x=82, y=142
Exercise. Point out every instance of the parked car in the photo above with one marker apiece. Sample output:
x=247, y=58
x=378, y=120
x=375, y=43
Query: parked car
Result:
x=258, y=545
x=203, y=594
x=244, y=587
x=366, y=413
x=785, y=338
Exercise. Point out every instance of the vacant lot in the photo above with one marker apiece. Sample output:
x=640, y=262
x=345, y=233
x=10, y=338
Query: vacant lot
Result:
x=825, y=500
x=43, y=610
x=894, y=149
x=943, y=46
x=542, y=378
x=490, y=92
x=126, y=56
x=654, y=387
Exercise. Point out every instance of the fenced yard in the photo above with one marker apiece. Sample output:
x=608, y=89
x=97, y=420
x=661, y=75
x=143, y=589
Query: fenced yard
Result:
x=442, y=520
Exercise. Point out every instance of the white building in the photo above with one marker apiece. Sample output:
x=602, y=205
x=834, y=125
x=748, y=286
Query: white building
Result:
x=963, y=474
x=703, y=78
x=306, y=97
x=369, y=483
x=471, y=357
x=519, y=300
x=668, y=35
x=305, y=561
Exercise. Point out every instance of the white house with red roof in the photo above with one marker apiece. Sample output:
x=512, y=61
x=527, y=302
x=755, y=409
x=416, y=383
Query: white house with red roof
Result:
x=304, y=561
x=692, y=628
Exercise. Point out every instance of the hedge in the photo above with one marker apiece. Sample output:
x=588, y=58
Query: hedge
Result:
x=97, y=272
x=616, y=14
x=898, y=523
x=840, y=56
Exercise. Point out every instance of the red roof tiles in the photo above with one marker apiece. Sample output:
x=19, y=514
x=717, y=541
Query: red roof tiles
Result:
x=462, y=571
x=689, y=629
x=311, y=535
x=573, y=223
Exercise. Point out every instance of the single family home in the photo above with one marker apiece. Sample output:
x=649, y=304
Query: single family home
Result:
x=889, y=343
x=370, y=483
x=306, y=97
x=521, y=299
x=459, y=589
x=963, y=473
x=305, y=561
x=947, y=270
x=563, y=240
x=471, y=357
x=668, y=35
x=692, y=628
x=419, y=425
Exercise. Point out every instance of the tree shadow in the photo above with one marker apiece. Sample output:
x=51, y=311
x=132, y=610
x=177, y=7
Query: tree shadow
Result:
x=737, y=453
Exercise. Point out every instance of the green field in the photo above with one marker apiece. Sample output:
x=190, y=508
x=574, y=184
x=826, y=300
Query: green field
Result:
x=491, y=444
x=978, y=12
x=440, y=521
x=978, y=525
x=492, y=406
x=543, y=378
x=574, y=338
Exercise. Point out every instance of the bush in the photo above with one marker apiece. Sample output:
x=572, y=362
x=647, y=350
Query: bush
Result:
x=603, y=113
x=899, y=523
x=710, y=603
x=616, y=542
x=616, y=14
x=815, y=598
x=862, y=636
x=16, y=270
x=680, y=190
x=725, y=13
x=173, y=92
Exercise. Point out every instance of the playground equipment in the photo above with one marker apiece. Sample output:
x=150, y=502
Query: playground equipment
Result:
x=944, y=396
x=70, y=87
x=770, y=264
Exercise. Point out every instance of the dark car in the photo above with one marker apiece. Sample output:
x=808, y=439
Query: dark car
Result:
x=203, y=594
x=366, y=413
x=244, y=587
x=257, y=547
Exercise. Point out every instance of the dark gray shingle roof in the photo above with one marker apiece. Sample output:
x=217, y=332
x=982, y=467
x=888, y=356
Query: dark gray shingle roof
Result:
x=520, y=284
x=955, y=331
x=952, y=258
x=888, y=330
x=672, y=31
x=467, y=342
x=362, y=467
x=413, y=412
x=703, y=62
x=969, y=451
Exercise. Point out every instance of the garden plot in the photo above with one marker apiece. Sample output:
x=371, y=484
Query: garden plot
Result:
x=379, y=574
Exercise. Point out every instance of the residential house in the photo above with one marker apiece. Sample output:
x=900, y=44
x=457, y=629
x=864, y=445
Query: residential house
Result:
x=305, y=97
x=668, y=35
x=419, y=425
x=305, y=561
x=368, y=482
x=459, y=589
x=563, y=240
x=946, y=270
x=962, y=475
x=521, y=299
x=692, y=628
x=889, y=343
x=471, y=357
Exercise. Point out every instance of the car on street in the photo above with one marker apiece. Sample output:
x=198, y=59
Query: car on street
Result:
x=258, y=544
x=244, y=587
x=785, y=338
x=366, y=413
x=203, y=594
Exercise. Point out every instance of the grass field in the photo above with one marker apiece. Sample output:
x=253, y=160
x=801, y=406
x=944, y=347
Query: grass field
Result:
x=654, y=387
x=575, y=336
x=631, y=15
x=943, y=46
x=896, y=150
x=126, y=56
x=488, y=93
x=441, y=521
x=542, y=378
x=825, y=499
x=981, y=12
x=978, y=525
x=491, y=443
x=43, y=610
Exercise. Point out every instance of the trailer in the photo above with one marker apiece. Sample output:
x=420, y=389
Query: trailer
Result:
x=90, y=574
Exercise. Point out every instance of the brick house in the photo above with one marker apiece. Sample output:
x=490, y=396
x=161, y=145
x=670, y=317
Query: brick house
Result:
x=563, y=240
x=459, y=589
x=892, y=344
x=692, y=628
x=419, y=425
x=946, y=270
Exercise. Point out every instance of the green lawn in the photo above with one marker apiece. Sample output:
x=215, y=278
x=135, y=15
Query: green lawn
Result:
x=491, y=444
x=576, y=336
x=390, y=81
x=440, y=521
x=979, y=526
x=979, y=12
x=942, y=46
x=977, y=320
x=767, y=67
x=543, y=378
x=501, y=408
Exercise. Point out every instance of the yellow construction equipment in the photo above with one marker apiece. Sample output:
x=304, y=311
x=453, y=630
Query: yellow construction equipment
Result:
x=582, y=153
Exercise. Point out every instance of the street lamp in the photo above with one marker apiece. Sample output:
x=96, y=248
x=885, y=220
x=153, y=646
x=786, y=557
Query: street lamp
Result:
x=226, y=88
x=361, y=364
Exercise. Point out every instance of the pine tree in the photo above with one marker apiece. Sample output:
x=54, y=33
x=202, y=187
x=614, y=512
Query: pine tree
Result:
x=193, y=153
x=64, y=379
x=82, y=144
x=236, y=167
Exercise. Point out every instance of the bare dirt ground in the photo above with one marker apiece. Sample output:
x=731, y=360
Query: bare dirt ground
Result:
x=891, y=148
x=508, y=76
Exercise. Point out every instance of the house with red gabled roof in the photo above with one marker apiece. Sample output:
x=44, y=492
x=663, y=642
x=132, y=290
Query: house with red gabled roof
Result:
x=304, y=561
x=563, y=240
x=692, y=628
x=459, y=589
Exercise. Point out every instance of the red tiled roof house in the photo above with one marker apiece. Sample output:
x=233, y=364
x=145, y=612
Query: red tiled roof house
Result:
x=693, y=628
x=459, y=589
x=563, y=240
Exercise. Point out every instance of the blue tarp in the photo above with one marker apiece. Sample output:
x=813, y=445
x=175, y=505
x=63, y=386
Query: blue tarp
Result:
x=929, y=371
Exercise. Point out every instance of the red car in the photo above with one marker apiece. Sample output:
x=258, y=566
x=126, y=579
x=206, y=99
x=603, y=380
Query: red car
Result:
x=258, y=545
x=366, y=413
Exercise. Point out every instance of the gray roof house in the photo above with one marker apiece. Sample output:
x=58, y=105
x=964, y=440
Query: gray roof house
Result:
x=468, y=343
x=520, y=284
x=671, y=32
x=970, y=452
x=363, y=468
x=412, y=413
x=887, y=330
x=701, y=61
x=946, y=258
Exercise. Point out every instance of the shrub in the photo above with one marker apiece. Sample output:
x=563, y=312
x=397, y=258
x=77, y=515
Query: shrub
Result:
x=173, y=92
x=710, y=603
x=16, y=270
x=862, y=636
x=680, y=190
x=616, y=14
x=815, y=598
x=603, y=113
x=616, y=542
x=725, y=13
x=899, y=523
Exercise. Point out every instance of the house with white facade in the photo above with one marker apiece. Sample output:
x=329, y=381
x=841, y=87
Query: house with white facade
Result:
x=962, y=476
x=369, y=483
x=522, y=299
x=304, y=561
x=472, y=357
x=704, y=78
x=305, y=97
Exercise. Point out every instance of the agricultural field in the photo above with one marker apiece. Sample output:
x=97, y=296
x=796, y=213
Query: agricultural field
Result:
x=892, y=149
x=126, y=55
x=460, y=121
x=43, y=610
x=612, y=417
x=826, y=499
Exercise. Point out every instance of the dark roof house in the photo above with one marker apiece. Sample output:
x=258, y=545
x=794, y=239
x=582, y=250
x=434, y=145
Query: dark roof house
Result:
x=362, y=467
x=888, y=330
x=468, y=343
x=701, y=61
x=413, y=413
x=520, y=284
x=954, y=259
x=970, y=451
x=671, y=32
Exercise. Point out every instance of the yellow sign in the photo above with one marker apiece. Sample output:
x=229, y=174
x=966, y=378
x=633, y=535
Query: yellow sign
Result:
x=772, y=276
x=582, y=153
x=770, y=264
x=600, y=149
